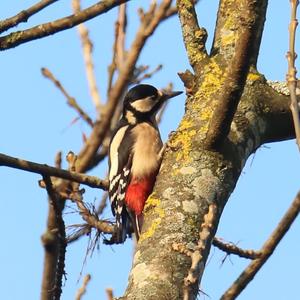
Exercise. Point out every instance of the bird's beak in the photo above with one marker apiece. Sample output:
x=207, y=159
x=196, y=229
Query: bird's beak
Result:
x=167, y=95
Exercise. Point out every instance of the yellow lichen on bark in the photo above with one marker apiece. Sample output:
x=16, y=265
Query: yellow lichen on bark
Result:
x=152, y=206
x=253, y=76
x=213, y=79
x=183, y=140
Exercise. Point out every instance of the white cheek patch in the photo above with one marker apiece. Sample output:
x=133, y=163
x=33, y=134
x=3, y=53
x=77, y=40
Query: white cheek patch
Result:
x=144, y=105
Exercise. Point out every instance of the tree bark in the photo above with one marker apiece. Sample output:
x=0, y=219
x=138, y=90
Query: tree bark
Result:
x=195, y=181
x=192, y=179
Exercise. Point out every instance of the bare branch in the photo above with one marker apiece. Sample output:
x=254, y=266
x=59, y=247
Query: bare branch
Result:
x=87, y=47
x=61, y=244
x=118, y=56
x=82, y=289
x=70, y=100
x=147, y=75
x=120, y=47
x=91, y=217
x=231, y=248
x=113, y=66
x=84, y=229
x=291, y=75
x=20, y=37
x=194, y=37
x=266, y=251
x=24, y=15
x=43, y=169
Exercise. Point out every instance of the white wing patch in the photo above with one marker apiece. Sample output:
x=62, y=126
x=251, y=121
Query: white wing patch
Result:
x=117, y=189
x=113, y=152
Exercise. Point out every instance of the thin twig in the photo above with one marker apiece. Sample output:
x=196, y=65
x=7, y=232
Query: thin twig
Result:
x=196, y=255
x=25, y=165
x=113, y=66
x=231, y=248
x=82, y=289
x=87, y=47
x=20, y=37
x=120, y=47
x=91, y=217
x=24, y=15
x=70, y=100
x=118, y=57
x=147, y=75
x=102, y=203
x=84, y=229
x=266, y=251
x=292, y=71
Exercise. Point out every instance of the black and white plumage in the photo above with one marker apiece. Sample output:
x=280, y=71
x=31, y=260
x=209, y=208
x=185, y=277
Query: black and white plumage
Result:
x=134, y=158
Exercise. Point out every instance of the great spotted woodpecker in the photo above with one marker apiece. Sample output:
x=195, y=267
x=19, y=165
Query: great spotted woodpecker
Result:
x=135, y=153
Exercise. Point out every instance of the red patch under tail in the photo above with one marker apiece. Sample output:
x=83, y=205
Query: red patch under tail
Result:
x=136, y=195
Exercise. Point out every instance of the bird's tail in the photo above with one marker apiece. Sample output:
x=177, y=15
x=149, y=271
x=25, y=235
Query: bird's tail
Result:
x=122, y=229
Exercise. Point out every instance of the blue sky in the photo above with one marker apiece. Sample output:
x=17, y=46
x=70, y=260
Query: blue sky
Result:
x=35, y=124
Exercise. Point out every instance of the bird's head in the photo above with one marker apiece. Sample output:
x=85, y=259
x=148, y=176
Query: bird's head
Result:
x=143, y=101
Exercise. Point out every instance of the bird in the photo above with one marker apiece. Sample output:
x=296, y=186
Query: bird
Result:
x=135, y=154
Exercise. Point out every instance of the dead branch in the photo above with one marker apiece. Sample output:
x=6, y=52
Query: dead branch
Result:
x=20, y=37
x=118, y=56
x=91, y=217
x=113, y=66
x=120, y=47
x=79, y=231
x=82, y=289
x=87, y=47
x=147, y=75
x=70, y=100
x=292, y=71
x=24, y=15
x=54, y=284
x=231, y=248
x=266, y=251
x=43, y=169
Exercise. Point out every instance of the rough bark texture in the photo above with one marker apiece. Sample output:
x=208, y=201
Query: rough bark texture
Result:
x=190, y=180
x=195, y=182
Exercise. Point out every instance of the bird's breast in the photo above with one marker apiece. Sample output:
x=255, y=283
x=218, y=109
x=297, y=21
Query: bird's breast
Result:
x=146, y=150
